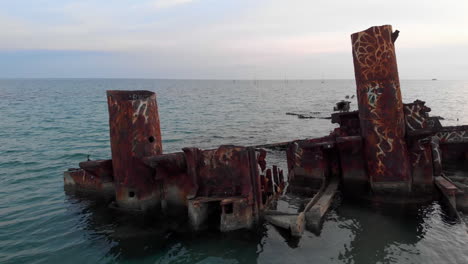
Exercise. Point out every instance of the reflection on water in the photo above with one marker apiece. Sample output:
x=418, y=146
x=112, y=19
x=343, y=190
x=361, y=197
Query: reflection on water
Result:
x=353, y=232
x=145, y=237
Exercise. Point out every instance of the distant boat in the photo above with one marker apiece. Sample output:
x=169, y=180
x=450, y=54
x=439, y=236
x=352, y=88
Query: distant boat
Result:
x=434, y=79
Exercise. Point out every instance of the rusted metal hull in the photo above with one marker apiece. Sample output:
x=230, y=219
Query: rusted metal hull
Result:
x=82, y=180
x=308, y=164
x=227, y=183
x=134, y=134
x=353, y=169
x=422, y=165
x=385, y=148
x=381, y=109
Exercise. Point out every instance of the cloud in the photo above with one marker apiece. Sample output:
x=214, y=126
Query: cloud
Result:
x=160, y=4
x=292, y=27
x=271, y=37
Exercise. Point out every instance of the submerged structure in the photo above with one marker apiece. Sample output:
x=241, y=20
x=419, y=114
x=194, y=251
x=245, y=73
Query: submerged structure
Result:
x=386, y=151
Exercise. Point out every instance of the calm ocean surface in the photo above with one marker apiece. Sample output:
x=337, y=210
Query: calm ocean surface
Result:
x=49, y=125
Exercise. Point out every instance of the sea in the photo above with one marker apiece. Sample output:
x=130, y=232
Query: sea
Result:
x=50, y=125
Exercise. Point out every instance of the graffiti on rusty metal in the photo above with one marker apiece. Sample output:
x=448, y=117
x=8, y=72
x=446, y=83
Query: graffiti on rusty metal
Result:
x=416, y=116
x=375, y=52
x=460, y=136
x=380, y=105
x=385, y=145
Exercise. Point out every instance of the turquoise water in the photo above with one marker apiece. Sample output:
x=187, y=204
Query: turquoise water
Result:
x=50, y=125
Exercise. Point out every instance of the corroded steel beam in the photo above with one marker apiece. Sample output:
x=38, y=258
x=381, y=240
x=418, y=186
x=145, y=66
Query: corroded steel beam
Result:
x=134, y=134
x=353, y=170
x=421, y=157
x=79, y=179
x=309, y=164
x=452, y=134
x=225, y=178
x=381, y=114
x=99, y=168
x=349, y=124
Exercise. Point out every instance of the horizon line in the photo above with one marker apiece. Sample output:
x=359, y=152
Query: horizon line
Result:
x=205, y=79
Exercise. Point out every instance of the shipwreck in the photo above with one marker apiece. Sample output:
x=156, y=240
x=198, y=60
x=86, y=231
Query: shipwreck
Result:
x=386, y=151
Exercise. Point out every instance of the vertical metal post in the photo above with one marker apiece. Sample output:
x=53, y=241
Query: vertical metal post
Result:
x=134, y=134
x=381, y=109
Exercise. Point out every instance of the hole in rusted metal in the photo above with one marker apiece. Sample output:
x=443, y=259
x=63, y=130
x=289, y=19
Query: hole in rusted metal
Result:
x=228, y=208
x=131, y=194
x=213, y=219
x=151, y=139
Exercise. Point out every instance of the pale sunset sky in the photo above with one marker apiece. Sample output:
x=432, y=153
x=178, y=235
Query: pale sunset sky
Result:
x=215, y=39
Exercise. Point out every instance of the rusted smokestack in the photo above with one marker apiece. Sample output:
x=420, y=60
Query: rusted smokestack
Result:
x=381, y=109
x=134, y=134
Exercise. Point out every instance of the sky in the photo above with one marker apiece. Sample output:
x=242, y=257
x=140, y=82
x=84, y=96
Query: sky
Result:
x=216, y=39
